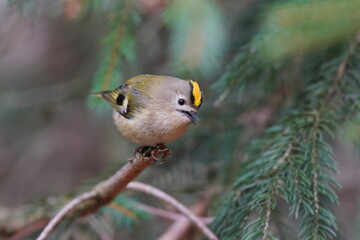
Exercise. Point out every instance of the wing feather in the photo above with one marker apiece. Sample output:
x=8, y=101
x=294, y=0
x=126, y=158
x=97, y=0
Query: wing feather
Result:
x=118, y=99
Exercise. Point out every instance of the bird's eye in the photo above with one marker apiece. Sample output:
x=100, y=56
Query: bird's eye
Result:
x=181, y=101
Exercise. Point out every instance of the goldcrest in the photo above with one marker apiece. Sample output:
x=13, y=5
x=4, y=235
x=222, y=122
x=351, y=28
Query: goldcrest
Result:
x=151, y=109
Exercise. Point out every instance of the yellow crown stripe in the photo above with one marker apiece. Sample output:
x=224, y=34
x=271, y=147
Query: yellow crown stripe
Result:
x=196, y=93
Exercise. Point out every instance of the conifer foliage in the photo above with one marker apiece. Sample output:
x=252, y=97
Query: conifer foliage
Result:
x=293, y=161
x=300, y=61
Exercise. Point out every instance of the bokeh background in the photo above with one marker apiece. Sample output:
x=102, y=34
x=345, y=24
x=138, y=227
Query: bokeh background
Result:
x=55, y=141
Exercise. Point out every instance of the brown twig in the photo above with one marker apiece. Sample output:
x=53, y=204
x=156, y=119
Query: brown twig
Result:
x=99, y=228
x=105, y=191
x=30, y=229
x=180, y=229
x=172, y=201
x=100, y=195
x=169, y=214
x=75, y=203
x=123, y=210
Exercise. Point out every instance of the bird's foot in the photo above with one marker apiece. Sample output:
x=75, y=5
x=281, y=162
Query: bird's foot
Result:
x=145, y=151
x=159, y=152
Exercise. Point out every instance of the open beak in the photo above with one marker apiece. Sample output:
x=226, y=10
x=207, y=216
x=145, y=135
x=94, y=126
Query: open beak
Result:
x=191, y=115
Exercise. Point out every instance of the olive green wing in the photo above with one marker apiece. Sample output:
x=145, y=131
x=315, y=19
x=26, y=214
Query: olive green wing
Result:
x=140, y=92
x=118, y=99
x=129, y=98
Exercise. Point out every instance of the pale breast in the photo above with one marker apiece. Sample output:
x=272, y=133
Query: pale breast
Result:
x=150, y=129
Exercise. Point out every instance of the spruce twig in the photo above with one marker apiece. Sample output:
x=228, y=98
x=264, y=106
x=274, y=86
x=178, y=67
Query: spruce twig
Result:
x=116, y=50
x=294, y=162
x=315, y=168
x=117, y=47
x=123, y=210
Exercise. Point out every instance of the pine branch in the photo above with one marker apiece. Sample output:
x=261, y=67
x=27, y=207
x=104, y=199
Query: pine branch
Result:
x=292, y=182
x=116, y=50
x=315, y=166
x=118, y=46
x=121, y=213
x=123, y=210
x=270, y=201
x=249, y=81
x=293, y=162
x=259, y=228
x=320, y=160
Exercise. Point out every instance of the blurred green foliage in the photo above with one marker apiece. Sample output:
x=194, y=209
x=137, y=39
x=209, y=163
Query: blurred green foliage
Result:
x=198, y=37
x=303, y=26
x=117, y=47
x=273, y=107
x=123, y=213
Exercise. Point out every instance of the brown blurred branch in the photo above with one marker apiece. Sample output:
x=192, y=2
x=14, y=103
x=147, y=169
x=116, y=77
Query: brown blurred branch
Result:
x=99, y=228
x=182, y=226
x=173, y=202
x=17, y=221
x=100, y=195
x=30, y=229
x=169, y=214
x=105, y=191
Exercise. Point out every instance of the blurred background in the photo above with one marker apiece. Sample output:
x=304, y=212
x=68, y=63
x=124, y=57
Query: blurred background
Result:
x=255, y=61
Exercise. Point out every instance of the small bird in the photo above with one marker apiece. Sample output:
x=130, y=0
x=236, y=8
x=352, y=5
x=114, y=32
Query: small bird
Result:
x=152, y=110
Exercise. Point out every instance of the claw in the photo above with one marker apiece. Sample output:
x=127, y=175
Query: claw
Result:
x=143, y=150
x=160, y=153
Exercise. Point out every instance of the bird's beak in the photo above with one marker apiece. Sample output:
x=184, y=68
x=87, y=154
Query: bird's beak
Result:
x=96, y=95
x=192, y=116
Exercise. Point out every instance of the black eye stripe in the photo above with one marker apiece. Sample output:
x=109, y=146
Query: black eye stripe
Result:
x=120, y=99
x=192, y=98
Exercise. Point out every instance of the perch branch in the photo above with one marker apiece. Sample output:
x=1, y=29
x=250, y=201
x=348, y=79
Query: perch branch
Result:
x=75, y=203
x=29, y=229
x=136, y=186
x=100, y=195
x=105, y=191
